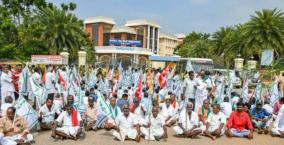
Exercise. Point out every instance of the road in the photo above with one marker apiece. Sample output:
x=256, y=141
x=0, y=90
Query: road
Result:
x=103, y=137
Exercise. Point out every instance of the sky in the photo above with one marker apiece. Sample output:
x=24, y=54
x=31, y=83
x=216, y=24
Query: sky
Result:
x=175, y=16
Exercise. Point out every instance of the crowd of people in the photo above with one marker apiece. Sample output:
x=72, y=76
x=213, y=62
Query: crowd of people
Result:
x=134, y=103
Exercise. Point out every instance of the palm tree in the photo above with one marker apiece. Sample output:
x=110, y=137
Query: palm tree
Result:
x=61, y=29
x=265, y=30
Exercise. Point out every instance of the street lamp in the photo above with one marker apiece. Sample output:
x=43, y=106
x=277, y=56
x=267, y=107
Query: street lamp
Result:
x=251, y=63
x=82, y=55
x=65, y=55
x=239, y=63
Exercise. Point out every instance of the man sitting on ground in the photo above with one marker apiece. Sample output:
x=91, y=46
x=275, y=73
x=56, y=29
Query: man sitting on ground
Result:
x=215, y=123
x=155, y=125
x=91, y=114
x=260, y=118
x=278, y=126
x=127, y=126
x=187, y=123
x=71, y=124
x=239, y=123
x=47, y=114
x=14, y=129
x=168, y=112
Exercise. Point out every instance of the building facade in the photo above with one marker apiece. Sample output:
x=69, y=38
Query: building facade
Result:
x=130, y=44
x=167, y=44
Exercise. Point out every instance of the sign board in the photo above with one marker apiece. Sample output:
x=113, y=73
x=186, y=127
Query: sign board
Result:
x=48, y=59
x=266, y=57
x=125, y=42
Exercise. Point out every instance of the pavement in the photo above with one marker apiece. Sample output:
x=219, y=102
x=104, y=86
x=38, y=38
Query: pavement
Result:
x=103, y=137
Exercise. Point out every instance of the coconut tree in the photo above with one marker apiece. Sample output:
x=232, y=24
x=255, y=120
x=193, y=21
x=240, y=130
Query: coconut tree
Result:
x=61, y=29
x=265, y=30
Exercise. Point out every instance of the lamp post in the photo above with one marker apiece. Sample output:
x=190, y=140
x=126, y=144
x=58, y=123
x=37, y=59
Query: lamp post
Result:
x=65, y=55
x=239, y=63
x=251, y=63
x=82, y=55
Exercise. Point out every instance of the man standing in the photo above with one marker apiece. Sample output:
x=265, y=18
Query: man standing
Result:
x=189, y=87
x=188, y=123
x=16, y=75
x=155, y=125
x=7, y=85
x=203, y=90
x=215, y=123
x=127, y=126
x=14, y=129
x=239, y=123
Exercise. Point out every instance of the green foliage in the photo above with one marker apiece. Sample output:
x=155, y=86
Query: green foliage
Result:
x=265, y=30
x=35, y=27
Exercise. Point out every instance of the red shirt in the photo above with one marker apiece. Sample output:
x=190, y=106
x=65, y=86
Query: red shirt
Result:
x=239, y=121
x=16, y=76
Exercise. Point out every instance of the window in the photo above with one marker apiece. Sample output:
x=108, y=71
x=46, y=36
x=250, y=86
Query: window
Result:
x=106, y=39
x=95, y=34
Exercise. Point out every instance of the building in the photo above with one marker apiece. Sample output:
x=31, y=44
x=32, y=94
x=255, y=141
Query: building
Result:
x=180, y=38
x=167, y=45
x=130, y=44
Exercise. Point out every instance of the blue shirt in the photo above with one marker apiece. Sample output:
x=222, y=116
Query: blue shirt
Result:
x=259, y=114
x=121, y=102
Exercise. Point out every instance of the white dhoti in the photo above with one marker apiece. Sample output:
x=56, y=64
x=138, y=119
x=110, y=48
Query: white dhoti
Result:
x=69, y=130
x=212, y=129
x=276, y=131
x=179, y=131
x=154, y=132
x=130, y=133
x=11, y=140
x=173, y=118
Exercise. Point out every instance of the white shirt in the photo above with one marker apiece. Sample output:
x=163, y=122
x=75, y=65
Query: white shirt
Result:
x=67, y=119
x=268, y=108
x=48, y=81
x=279, y=122
x=156, y=123
x=6, y=83
x=126, y=123
x=48, y=115
x=167, y=111
x=226, y=108
x=186, y=122
x=216, y=119
x=189, y=88
x=139, y=112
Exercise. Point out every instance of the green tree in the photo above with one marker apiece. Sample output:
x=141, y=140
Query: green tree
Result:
x=61, y=29
x=194, y=45
x=265, y=30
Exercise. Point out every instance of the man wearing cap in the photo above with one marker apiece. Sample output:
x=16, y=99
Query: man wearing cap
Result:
x=187, y=123
x=127, y=126
x=260, y=118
